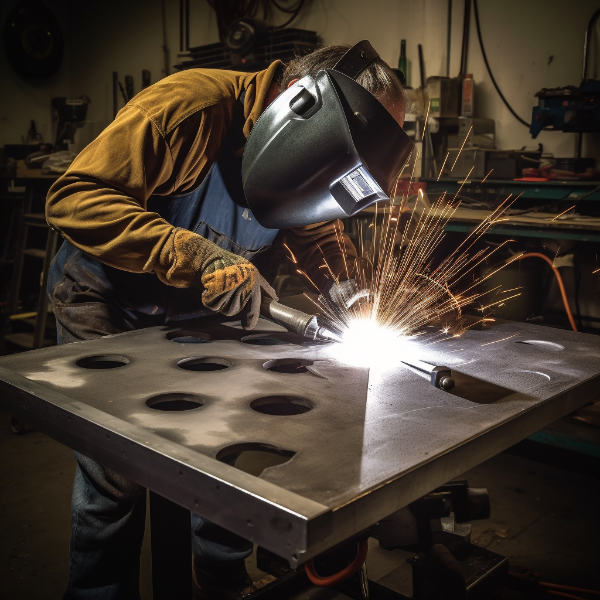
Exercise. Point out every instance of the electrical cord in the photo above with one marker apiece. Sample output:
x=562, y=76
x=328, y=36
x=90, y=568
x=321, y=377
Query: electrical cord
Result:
x=465, y=39
x=489, y=70
x=230, y=11
x=294, y=13
x=569, y=588
x=563, y=595
x=349, y=570
x=559, y=281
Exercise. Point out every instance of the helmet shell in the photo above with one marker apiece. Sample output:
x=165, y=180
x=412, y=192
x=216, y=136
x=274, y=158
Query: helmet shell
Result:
x=325, y=148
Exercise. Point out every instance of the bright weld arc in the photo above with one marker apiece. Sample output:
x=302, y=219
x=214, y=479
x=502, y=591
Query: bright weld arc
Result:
x=411, y=300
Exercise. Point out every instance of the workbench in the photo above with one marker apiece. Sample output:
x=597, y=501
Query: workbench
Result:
x=534, y=214
x=189, y=413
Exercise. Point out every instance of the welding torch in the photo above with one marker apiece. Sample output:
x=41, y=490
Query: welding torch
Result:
x=308, y=326
x=296, y=321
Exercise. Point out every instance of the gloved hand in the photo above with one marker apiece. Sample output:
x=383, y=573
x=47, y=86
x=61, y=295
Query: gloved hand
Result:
x=231, y=285
x=236, y=289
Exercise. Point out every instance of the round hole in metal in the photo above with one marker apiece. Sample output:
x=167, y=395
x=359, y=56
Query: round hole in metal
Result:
x=529, y=374
x=103, y=361
x=203, y=364
x=175, y=401
x=188, y=336
x=281, y=405
x=543, y=345
x=254, y=457
x=288, y=365
x=262, y=339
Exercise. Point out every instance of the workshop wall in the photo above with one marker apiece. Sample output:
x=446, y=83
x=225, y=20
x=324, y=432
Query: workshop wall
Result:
x=530, y=45
x=21, y=99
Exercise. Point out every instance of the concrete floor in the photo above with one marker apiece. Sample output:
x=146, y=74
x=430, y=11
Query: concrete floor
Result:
x=544, y=517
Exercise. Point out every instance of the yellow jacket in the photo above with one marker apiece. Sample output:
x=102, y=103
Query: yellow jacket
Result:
x=163, y=142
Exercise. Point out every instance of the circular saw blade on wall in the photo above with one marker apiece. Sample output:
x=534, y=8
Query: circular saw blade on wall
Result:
x=33, y=40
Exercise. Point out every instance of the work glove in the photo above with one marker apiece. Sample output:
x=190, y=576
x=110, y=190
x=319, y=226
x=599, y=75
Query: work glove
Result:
x=231, y=284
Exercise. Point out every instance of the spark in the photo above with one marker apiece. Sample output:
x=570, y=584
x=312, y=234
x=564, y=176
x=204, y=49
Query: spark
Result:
x=412, y=297
x=501, y=340
x=292, y=255
x=461, y=148
x=596, y=271
x=465, y=180
x=563, y=212
x=487, y=175
x=499, y=302
x=443, y=165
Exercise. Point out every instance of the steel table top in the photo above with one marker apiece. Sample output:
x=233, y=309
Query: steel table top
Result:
x=276, y=439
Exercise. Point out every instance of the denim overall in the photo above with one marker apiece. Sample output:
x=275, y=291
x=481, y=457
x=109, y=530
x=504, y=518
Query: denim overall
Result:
x=91, y=299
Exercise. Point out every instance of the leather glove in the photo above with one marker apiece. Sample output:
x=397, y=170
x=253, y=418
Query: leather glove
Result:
x=232, y=285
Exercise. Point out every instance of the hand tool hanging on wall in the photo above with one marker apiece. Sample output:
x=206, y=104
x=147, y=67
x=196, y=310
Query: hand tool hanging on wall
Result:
x=129, y=86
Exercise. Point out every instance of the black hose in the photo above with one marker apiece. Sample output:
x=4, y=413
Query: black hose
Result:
x=489, y=70
x=294, y=13
x=448, y=37
x=465, y=39
x=588, y=35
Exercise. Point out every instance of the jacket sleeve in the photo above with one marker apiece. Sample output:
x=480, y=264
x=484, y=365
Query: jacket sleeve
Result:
x=322, y=251
x=99, y=203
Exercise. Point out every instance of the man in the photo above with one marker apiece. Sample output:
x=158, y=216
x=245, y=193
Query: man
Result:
x=159, y=227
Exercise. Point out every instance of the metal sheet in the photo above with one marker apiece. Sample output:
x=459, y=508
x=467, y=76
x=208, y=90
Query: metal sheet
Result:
x=345, y=446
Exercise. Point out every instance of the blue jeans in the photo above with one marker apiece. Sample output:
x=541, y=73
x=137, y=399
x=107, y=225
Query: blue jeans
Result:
x=107, y=510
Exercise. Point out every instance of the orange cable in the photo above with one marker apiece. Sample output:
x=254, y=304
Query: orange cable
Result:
x=361, y=555
x=559, y=280
x=563, y=595
x=570, y=588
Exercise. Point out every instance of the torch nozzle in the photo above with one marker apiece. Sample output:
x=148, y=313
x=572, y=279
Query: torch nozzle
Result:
x=296, y=321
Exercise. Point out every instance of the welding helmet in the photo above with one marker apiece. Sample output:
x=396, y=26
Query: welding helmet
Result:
x=325, y=148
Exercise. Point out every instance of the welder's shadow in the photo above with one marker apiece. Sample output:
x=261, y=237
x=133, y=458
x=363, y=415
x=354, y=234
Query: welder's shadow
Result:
x=217, y=329
x=477, y=390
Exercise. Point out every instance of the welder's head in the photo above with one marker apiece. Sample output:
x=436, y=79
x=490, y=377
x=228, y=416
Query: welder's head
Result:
x=331, y=143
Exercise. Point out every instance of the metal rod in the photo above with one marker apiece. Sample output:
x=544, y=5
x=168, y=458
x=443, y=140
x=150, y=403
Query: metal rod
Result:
x=439, y=376
x=364, y=582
